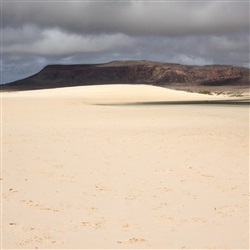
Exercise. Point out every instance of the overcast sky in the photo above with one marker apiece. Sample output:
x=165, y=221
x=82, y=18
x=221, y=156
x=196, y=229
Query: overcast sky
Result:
x=38, y=33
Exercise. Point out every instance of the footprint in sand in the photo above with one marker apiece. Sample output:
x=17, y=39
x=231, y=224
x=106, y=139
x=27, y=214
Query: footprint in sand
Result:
x=12, y=190
x=224, y=211
x=38, y=206
x=165, y=189
x=131, y=197
x=130, y=227
x=36, y=239
x=206, y=175
x=167, y=218
x=101, y=188
x=197, y=219
x=94, y=225
x=133, y=240
x=13, y=224
x=59, y=166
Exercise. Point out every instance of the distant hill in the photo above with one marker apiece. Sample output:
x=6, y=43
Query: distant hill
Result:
x=134, y=72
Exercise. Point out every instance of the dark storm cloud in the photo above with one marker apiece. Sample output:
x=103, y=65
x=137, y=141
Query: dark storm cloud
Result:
x=35, y=34
x=131, y=18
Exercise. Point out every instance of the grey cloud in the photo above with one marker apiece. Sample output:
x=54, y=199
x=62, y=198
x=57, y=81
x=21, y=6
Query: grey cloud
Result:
x=57, y=42
x=199, y=50
x=22, y=35
x=131, y=18
x=35, y=34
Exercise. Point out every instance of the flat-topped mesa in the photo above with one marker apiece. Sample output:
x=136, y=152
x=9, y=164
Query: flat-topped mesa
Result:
x=133, y=72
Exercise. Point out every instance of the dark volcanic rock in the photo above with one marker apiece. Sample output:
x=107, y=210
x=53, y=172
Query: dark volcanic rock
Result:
x=133, y=72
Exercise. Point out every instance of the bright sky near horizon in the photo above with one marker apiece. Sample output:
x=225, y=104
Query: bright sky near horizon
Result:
x=38, y=33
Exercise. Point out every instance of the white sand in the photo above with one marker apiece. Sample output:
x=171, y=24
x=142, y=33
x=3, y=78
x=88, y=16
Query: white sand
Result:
x=120, y=93
x=77, y=175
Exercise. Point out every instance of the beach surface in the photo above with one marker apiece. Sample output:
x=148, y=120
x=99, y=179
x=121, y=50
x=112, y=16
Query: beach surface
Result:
x=119, y=167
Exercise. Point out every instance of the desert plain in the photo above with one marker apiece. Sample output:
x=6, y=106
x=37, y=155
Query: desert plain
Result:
x=123, y=167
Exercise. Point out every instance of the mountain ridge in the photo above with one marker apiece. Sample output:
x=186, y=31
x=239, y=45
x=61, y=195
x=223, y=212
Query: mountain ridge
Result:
x=170, y=75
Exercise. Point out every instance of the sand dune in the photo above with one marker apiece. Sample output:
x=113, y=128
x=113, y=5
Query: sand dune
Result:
x=120, y=93
x=79, y=175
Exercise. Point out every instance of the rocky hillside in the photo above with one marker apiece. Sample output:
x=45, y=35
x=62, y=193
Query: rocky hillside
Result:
x=134, y=72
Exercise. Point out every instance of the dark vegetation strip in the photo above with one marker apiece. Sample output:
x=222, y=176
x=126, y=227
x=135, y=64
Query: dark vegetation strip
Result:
x=223, y=102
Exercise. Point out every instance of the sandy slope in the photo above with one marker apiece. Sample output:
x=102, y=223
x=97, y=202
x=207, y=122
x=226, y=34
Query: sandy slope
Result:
x=77, y=175
x=120, y=93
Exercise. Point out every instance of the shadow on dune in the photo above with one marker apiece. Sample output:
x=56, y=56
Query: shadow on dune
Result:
x=217, y=102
